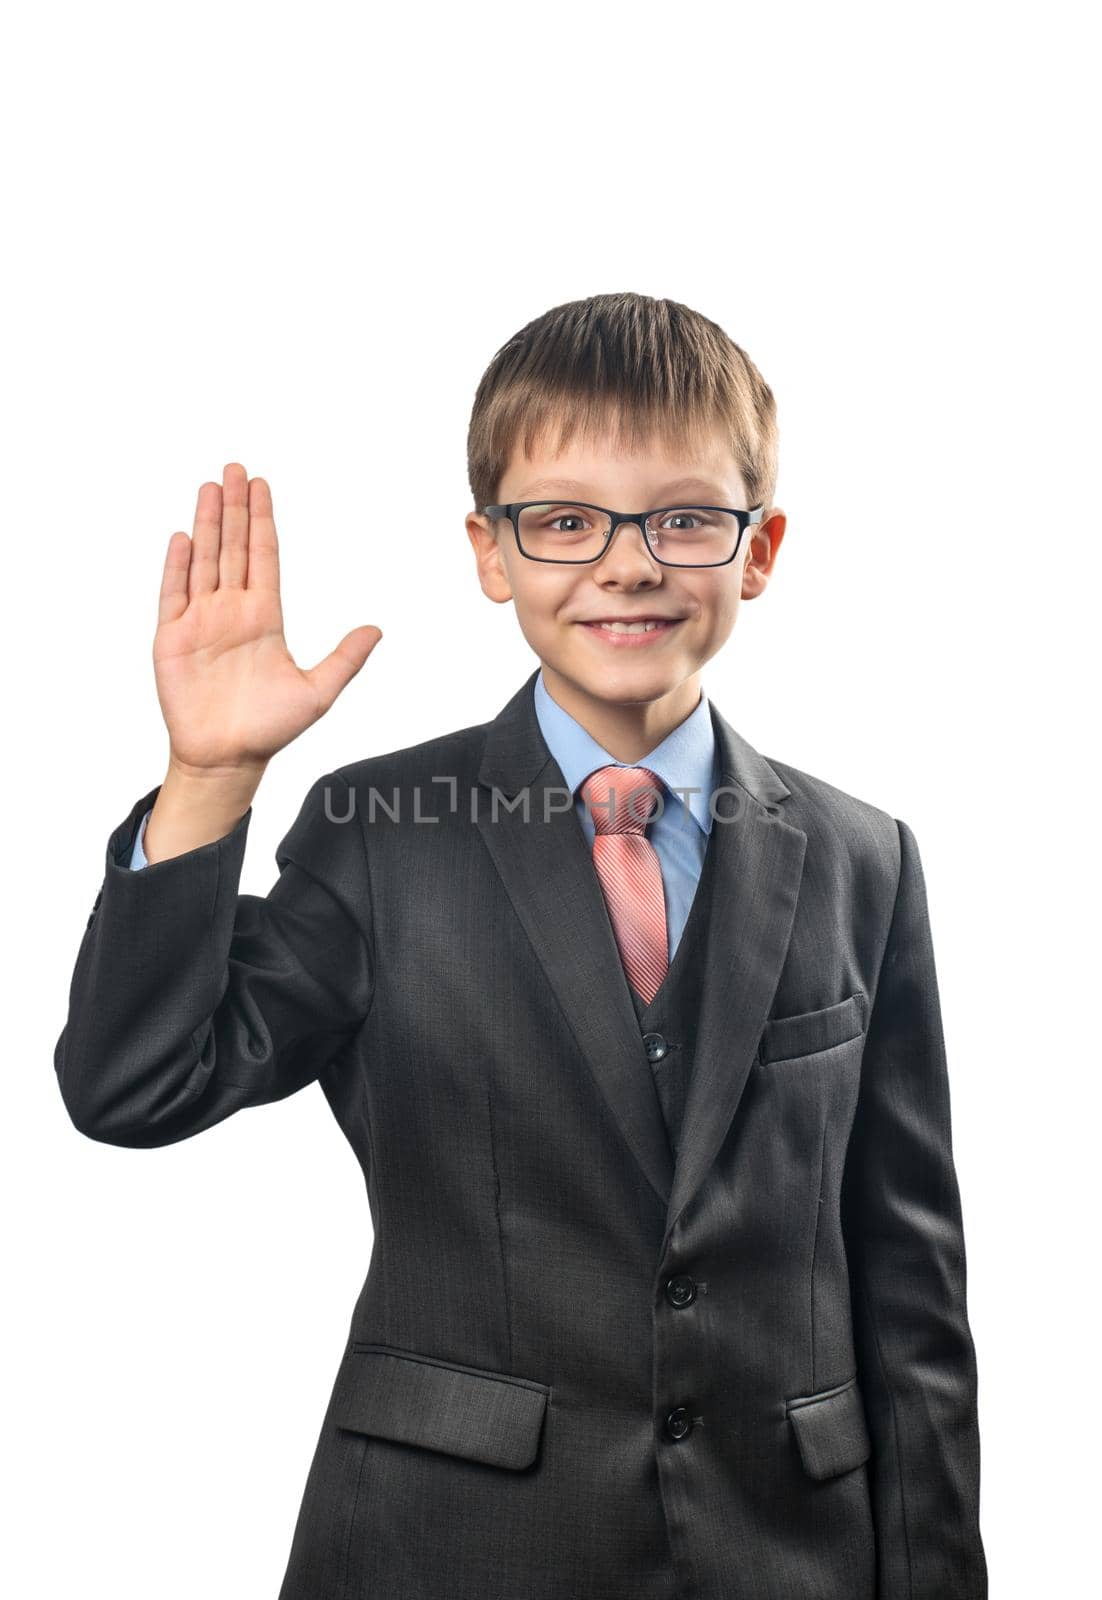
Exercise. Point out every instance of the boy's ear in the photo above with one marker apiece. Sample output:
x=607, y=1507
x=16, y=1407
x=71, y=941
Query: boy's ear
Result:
x=766, y=541
x=486, y=543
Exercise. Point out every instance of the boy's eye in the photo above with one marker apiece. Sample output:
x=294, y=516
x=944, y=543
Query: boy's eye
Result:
x=564, y=519
x=566, y=522
x=682, y=520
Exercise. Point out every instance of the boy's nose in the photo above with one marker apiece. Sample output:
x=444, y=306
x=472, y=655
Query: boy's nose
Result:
x=628, y=551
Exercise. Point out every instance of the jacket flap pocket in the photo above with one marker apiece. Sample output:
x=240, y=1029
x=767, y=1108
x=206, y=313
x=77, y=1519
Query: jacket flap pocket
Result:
x=441, y=1405
x=831, y=1430
x=786, y=1037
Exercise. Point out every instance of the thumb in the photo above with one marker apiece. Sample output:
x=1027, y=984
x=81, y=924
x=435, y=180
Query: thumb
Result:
x=341, y=665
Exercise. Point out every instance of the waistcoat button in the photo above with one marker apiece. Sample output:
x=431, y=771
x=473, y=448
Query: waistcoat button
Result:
x=656, y=1046
x=678, y=1422
x=680, y=1291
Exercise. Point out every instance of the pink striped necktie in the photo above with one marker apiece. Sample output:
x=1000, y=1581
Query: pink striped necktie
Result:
x=620, y=801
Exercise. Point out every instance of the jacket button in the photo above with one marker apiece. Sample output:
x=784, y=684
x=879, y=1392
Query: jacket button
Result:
x=680, y=1291
x=656, y=1046
x=679, y=1422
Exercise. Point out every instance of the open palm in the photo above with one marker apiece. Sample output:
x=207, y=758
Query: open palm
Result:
x=230, y=691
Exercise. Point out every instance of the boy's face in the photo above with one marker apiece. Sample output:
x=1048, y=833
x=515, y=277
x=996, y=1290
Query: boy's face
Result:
x=559, y=606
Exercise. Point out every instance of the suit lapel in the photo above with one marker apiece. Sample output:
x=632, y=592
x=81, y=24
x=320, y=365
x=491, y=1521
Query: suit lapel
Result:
x=548, y=873
x=542, y=855
x=758, y=870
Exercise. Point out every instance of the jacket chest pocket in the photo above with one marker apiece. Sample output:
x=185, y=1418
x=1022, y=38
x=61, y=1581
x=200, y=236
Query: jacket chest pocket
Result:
x=441, y=1405
x=811, y=1032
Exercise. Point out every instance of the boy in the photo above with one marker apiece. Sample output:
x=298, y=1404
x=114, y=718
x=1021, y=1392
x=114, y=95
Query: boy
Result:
x=635, y=1034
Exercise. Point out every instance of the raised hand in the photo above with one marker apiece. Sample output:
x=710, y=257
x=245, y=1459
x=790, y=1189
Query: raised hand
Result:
x=230, y=690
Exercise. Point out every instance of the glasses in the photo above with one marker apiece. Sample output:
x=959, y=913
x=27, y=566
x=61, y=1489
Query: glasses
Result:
x=676, y=536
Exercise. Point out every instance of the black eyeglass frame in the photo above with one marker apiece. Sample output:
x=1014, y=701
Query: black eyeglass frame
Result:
x=639, y=518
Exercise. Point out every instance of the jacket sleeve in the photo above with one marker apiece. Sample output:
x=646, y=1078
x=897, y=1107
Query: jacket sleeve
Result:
x=190, y=1001
x=905, y=1246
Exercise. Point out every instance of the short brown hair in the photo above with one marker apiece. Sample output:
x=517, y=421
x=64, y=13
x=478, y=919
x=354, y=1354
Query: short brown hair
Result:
x=626, y=361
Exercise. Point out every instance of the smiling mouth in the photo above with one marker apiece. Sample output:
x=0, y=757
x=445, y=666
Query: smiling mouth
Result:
x=646, y=628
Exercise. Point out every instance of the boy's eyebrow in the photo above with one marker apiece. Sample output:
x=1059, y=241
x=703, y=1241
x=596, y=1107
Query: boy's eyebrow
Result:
x=583, y=491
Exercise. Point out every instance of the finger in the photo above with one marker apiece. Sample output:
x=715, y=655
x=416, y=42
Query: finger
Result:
x=233, y=554
x=172, y=602
x=263, y=544
x=341, y=665
x=205, y=538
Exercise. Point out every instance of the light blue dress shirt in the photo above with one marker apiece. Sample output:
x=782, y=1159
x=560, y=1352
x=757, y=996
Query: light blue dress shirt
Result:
x=137, y=855
x=685, y=760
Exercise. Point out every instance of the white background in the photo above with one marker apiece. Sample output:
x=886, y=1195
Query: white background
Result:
x=294, y=238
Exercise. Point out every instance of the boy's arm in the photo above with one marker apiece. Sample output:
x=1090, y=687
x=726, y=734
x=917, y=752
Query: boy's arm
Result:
x=905, y=1245
x=190, y=1001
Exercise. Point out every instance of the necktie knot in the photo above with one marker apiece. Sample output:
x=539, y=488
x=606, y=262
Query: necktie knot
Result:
x=620, y=799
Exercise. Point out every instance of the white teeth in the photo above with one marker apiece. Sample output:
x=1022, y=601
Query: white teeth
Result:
x=630, y=627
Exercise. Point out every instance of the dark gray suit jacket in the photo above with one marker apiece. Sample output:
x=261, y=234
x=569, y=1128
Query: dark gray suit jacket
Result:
x=499, y=1424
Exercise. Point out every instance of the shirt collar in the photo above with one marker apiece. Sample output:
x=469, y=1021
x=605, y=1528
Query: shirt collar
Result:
x=685, y=759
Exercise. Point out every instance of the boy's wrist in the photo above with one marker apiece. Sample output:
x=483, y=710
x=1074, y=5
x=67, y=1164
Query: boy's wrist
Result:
x=206, y=785
x=197, y=806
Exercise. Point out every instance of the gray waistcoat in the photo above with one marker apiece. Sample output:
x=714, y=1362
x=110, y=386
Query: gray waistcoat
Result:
x=668, y=1024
